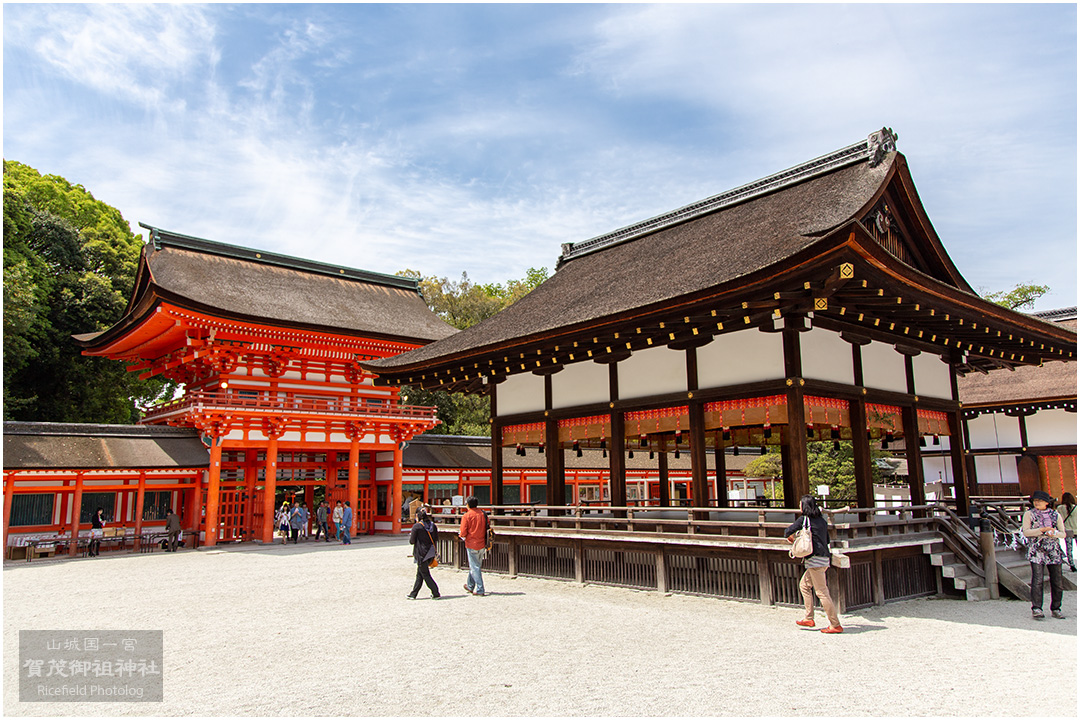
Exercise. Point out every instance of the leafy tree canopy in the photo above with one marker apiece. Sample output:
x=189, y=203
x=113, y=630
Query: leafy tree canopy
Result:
x=1019, y=298
x=69, y=266
x=826, y=465
x=463, y=303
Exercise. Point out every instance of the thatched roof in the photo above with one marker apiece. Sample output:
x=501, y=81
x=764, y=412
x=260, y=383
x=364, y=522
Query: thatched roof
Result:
x=1052, y=381
x=29, y=445
x=267, y=288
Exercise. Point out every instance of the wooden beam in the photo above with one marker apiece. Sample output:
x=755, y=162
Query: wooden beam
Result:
x=496, y=451
x=617, y=459
x=910, y=420
x=699, y=471
x=662, y=471
x=860, y=445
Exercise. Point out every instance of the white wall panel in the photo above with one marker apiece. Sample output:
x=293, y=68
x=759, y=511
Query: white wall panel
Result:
x=993, y=430
x=988, y=469
x=578, y=384
x=883, y=367
x=520, y=393
x=826, y=356
x=937, y=468
x=931, y=376
x=740, y=357
x=651, y=372
x=1051, y=427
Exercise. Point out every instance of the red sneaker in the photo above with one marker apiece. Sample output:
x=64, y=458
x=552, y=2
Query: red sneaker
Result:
x=805, y=623
x=832, y=629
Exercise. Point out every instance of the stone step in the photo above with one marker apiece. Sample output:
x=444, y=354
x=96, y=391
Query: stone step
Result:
x=942, y=559
x=966, y=581
x=977, y=594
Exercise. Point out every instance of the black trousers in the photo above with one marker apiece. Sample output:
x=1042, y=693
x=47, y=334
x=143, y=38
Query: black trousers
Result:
x=1037, y=586
x=295, y=534
x=423, y=575
x=323, y=530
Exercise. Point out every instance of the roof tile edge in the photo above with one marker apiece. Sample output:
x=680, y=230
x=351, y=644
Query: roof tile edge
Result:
x=164, y=238
x=874, y=149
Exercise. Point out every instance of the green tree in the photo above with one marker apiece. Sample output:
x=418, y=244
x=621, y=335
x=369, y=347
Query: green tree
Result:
x=69, y=266
x=462, y=303
x=826, y=466
x=1020, y=297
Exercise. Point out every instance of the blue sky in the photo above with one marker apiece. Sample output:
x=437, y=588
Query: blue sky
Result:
x=450, y=138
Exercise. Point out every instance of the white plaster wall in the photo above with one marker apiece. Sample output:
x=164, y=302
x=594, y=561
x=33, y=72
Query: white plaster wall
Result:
x=256, y=435
x=740, y=357
x=578, y=384
x=931, y=376
x=384, y=473
x=384, y=457
x=291, y=375
x=652, y=372
x=339, y=438
x=883, y=367
x=520, y=393
x=290, y=437
x=316, y=437
x=993, y=430
x=989, y=470
x=935, y=468
x=1051, y=427
x=826, y=356
x=235, y=435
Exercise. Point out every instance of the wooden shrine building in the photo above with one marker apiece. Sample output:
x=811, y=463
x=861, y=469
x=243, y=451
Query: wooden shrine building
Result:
x=814, y=304
x=267, y=349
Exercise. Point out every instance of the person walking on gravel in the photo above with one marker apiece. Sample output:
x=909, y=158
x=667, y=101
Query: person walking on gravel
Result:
x=321, y=516
x=424, y=538
x=816, y=563
x=1067, y=510
x=346, y=524
x=1043, y=527
x=339, y=512
x=474, y=527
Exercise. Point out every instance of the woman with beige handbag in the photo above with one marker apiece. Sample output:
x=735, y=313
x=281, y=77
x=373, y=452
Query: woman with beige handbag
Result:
x=424, y=539
x=809, y=536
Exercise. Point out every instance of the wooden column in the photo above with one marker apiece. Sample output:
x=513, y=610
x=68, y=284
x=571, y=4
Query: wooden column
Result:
x=617, y=459
x=720, y=455
x=796, y=474
x=662, y=469
x=959, y=467
x=353, y=489
x=497, y=496
x=76, y=510
x=914, y=456
x=699, y=471
x=140, y=501
x=556, y=468
x=791, y=500
x=270, y=486
x=213, y=489
x=860, y=445
x=9, y=496
x=396, y=490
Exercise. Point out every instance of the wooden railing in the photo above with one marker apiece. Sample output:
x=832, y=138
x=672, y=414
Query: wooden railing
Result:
x=232, y=400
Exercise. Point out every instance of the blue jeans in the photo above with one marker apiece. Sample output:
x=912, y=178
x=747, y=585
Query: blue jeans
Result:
x=475, y=583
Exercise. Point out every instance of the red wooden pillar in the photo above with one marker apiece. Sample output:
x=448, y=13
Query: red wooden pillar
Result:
x=76, y=510
x=354, y=475
x=9, y=496
x=270, y=484
x=140, y=499
x=213, y=488
x=395, y=511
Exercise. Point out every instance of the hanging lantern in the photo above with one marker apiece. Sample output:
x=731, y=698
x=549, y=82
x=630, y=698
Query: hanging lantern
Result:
x=541, y=450
x=937, y=440
x=652, y=454
x=922, y=441
x=736, y=451
x=809, y=432
x=577, y=447
x=836, y=445
x=835, y=433
x=768, y=430
x=605, y=452
x=578, y=450
x=643, y=442
x=884, y=444
x=603, y=444
x=676, y=453
x=762, y=450
x=630, y=454
x=519, y=450
x=727, y=434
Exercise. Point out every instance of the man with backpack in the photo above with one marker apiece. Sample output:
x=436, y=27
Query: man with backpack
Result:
x=474, y=531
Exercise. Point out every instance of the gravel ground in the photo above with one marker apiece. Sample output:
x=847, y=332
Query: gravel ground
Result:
x=325, y=630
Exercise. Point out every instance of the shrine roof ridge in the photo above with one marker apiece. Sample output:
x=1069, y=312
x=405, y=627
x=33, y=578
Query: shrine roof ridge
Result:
x=17, y=427
x=873, y=149
x=1057, y=314
x=165, y=238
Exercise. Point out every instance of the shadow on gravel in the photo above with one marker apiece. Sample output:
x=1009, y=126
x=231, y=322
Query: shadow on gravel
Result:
x=987, y=613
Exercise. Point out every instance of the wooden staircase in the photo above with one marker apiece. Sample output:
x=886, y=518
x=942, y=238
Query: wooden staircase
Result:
x=962, y=576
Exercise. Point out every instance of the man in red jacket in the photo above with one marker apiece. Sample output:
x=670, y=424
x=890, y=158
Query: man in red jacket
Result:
x=474, y=528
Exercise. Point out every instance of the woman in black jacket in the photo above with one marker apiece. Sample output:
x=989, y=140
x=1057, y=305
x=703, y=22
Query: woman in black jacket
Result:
x=816, y=563
x=97, y=531
x=423, y=538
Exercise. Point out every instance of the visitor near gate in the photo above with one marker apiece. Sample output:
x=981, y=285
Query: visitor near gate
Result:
x=97, y=531
x=346, y=524
x=282, y=522
x=320, y=518
x=474, y=527
x=1067, y=510
x=338, y=514
x=172, y=527
x=1043, y=526
x=295, y=521
x=816, y=564
x=305, y=516
x=424, y=538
